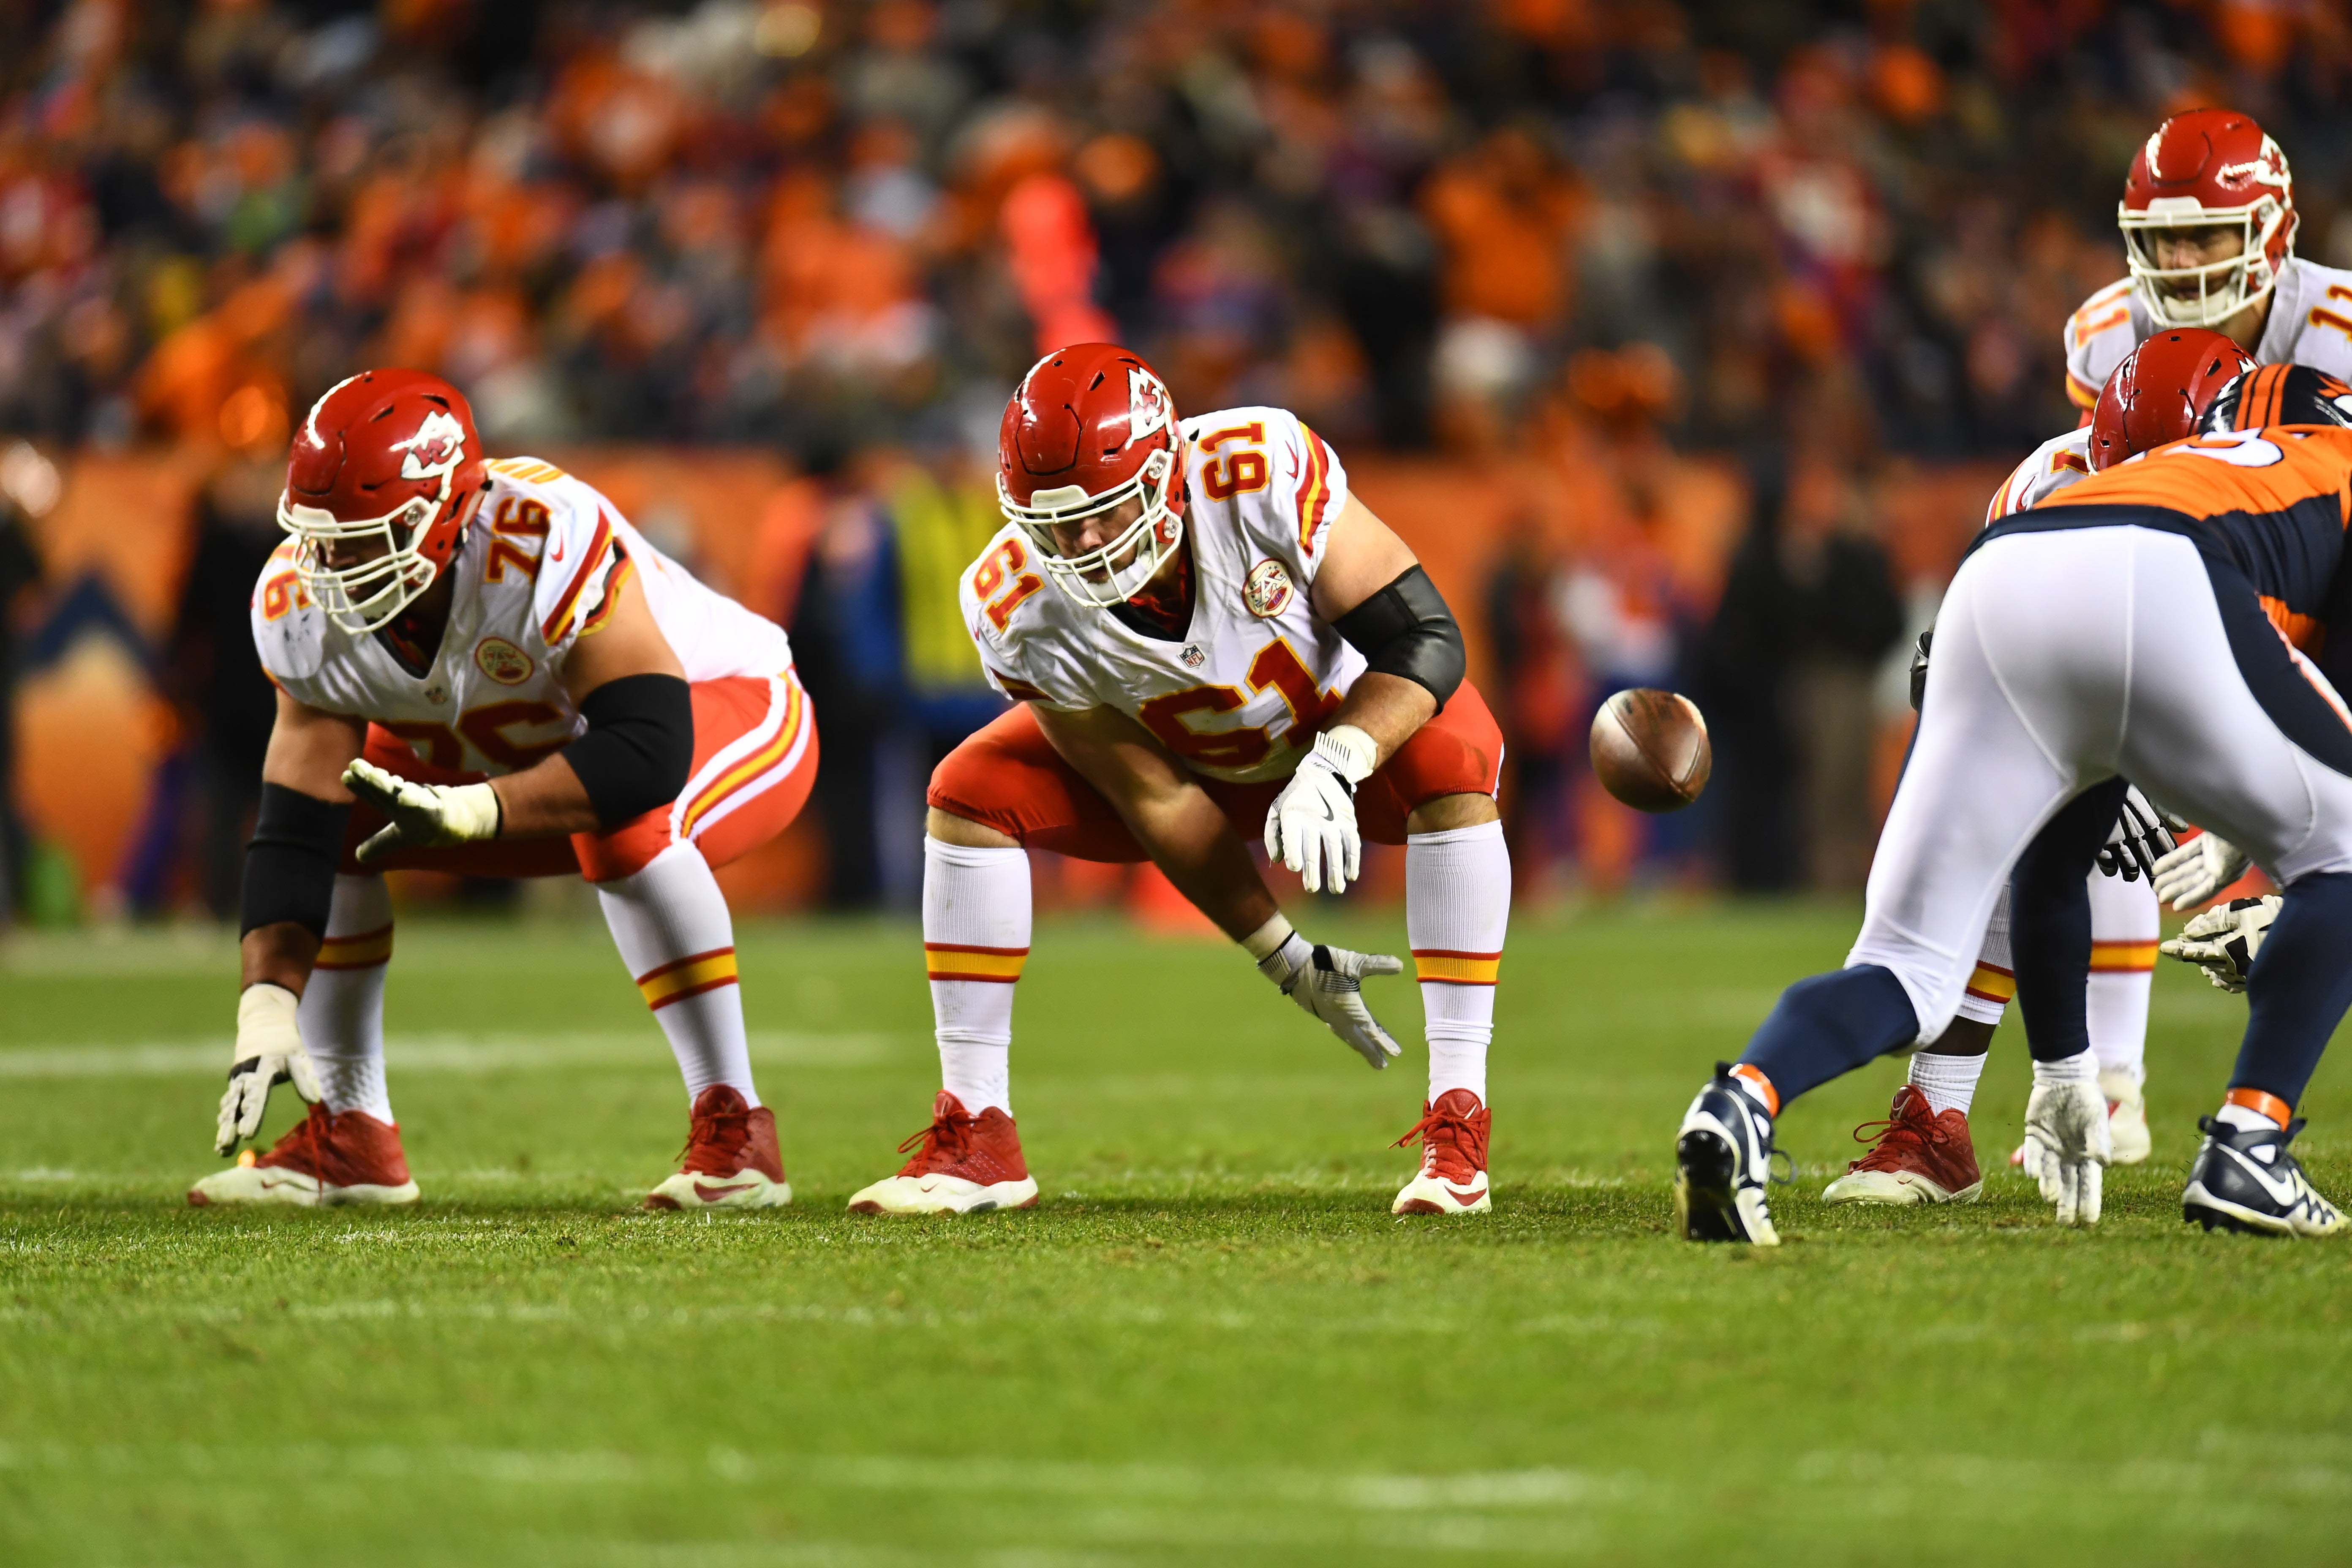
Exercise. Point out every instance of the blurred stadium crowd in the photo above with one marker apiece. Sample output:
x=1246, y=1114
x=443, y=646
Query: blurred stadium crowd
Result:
x=1814, y=244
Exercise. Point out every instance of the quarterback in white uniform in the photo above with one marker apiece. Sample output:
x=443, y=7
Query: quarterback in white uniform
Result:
x=1210, y=641
x=483, y=668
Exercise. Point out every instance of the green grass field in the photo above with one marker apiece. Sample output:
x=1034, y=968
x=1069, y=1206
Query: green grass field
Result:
x=1209, y=1342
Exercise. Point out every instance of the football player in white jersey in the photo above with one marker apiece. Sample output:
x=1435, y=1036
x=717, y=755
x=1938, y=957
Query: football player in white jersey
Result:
x=1923, y=1152
x=2208, y=222
x=1211, y=641
x=482, y=668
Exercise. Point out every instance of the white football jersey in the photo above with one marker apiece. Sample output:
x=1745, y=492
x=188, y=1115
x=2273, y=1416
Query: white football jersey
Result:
x=2051, y=467
x=539, y=567
x=1241, y=695
x=2310, y=323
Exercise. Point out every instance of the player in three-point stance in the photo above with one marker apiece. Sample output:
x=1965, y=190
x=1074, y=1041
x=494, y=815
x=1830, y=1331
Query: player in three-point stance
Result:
x=1923, y=1152
x=1210, y=641
x=2149, y=622
x=482, y=668
x=2208, y=222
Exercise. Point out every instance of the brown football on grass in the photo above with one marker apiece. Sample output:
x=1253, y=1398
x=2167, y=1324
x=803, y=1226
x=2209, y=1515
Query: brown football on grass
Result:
x=1650, y=749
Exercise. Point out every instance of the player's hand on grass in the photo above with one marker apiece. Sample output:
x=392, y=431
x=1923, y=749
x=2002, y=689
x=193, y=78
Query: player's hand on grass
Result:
x=2138, y=841
x=424, y=816
x=1312, y=825
x=2223, y=941
x=2067, y=1146
x=1328, y=981
x=2197, y=871
x=269, y=1053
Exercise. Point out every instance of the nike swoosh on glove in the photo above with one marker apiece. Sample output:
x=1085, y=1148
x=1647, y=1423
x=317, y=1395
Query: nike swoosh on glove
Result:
x=2068, y=1121
x=2137, y=841
x=1328, y=981
x=424, y=816
x=2198, y=870
x=2225, y=939
x=268, y=1052
x=1312, y=825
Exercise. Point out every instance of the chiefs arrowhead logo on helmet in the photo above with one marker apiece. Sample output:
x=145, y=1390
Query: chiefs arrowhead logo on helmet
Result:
x=2206, y=170
x=382, y=478
x=1090, y=429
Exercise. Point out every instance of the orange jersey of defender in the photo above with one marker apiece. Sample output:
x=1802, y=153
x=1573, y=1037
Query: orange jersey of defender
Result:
x=2272, y=503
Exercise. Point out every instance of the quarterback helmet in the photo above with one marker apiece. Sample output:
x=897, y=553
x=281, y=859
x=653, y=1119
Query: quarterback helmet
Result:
x=382, y=478
x=2208, y=168
x=2278, y=394
x=1089, y=428
x=2157, y=395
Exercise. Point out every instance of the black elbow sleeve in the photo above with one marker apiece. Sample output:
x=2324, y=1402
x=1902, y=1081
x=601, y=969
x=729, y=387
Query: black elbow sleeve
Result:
x=289, y=866
x=1406, y=630
x=639, y=747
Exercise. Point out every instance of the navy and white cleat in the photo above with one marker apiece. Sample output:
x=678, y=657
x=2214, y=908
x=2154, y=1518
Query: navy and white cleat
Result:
x=2244, y=1180
x=1723, y=1157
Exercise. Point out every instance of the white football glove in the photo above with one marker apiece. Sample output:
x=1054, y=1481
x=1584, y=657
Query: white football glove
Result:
x=2223, y=941
x=1328, y=981
x=2068, y=1145
x=424, y=816
x=1312, y=825
x=2138, y=841
x=2196, y=871
x=269, y=1053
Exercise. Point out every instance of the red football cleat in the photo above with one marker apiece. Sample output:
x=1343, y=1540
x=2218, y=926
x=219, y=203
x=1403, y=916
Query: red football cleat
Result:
x=1453, y=1179
x=328, y=1157
x=1918, y=1157
x=964, y=1165
x=730, y=1161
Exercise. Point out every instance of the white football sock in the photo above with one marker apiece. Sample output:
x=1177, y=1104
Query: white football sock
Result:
x=671, y=924
x=1949, y=1082
x=2243, y=1117
x=1994, y=980
x=2123, y=971
x=976, y=940
x=1458, y=905
x=342, y=1016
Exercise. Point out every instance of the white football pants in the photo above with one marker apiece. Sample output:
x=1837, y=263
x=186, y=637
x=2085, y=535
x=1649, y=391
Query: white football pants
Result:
x=2061, y=660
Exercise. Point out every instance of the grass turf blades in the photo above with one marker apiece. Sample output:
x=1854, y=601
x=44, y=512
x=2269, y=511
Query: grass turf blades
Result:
x=1210, y=1341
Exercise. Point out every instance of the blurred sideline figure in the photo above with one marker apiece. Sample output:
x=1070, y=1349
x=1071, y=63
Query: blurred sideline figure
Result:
x=482, y=668
x=1210, y=641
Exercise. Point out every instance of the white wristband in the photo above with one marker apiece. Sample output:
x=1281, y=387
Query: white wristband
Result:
x=1267, y=941
x=1351, y=752
x=2083, y=1066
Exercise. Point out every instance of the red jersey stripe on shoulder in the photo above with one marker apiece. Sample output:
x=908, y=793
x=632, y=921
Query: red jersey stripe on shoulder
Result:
x=559, y=620
x=1314, y=488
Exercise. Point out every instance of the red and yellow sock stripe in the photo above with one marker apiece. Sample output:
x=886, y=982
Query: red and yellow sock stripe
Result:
x=948, y=961
x=362, y=950
x=1443, y=966
x=1991, y=982
x=2124, y=957
x=677, y=981
x=743, y=774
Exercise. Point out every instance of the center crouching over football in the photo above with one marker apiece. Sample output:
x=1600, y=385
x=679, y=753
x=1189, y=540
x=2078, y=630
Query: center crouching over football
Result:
x=1624, y=939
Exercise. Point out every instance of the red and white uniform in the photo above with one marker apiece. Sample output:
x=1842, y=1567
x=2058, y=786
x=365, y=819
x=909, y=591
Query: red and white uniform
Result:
x=540, y=567
x=1241, y=697
x=2047, y=469
x=2310, y=323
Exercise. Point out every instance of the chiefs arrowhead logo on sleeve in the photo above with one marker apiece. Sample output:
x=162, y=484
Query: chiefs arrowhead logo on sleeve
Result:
x=438, y=448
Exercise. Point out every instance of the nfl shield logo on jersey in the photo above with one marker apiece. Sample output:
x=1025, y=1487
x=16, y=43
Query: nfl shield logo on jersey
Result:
x=1266, y=591
x=502, y=662
x=1193, y=656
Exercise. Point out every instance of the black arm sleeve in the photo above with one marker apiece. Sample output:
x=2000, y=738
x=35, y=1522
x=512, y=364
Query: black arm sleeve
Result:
x=639, y=747
x=1406, y=630
x=290, y=866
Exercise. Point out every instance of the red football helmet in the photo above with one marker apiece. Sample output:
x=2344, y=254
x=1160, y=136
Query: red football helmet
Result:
x=388, y=456
x=2208, y=167
x=1090, y=427
x=2156, y=395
